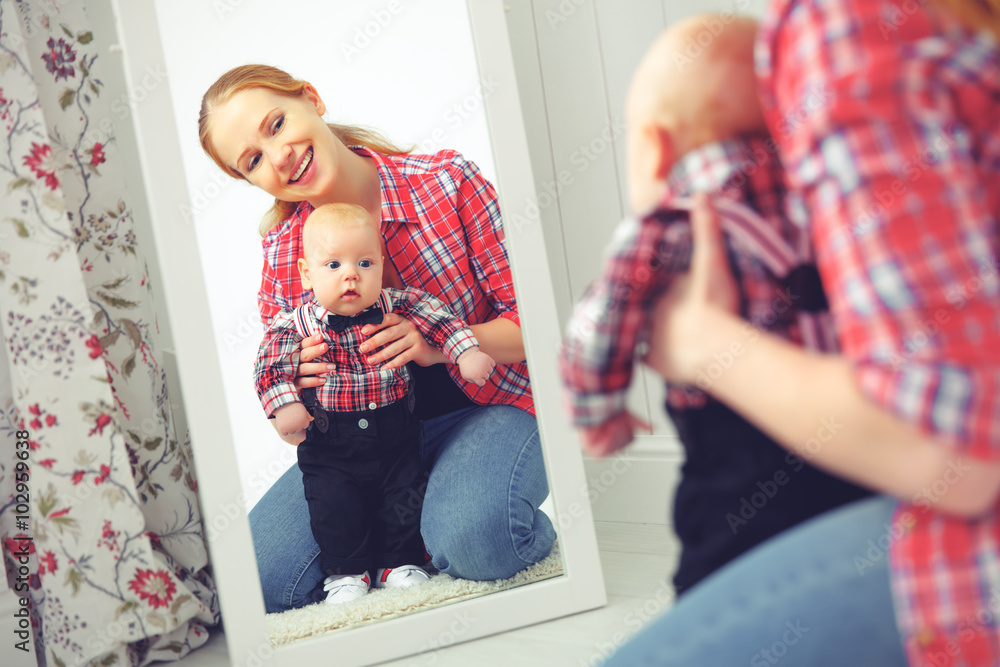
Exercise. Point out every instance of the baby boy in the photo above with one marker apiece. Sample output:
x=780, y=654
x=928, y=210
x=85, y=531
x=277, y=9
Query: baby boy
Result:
x=358, y=446
x=695, y=126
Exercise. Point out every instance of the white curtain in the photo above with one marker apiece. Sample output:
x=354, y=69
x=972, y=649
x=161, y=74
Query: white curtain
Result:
x=98, y=501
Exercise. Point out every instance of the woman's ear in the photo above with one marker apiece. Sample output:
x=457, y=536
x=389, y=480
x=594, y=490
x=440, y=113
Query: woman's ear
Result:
x=314, y=98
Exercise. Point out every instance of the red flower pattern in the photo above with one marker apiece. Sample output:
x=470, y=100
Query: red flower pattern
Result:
x=105, y=471
x=94, y=343
x=34, y=161
x=47, y=563
x=97, y=156
x=109, y=537
x=14, y=545
x=50, y=420
x=102, y=421
x=155, y=588
x=78, y=476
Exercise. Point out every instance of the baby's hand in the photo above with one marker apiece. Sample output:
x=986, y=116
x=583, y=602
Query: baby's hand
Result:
x=612, y=435
x=292, y=420
x=476, y=365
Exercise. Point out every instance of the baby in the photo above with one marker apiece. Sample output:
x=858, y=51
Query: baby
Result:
x=695, y=126
x=357, y=440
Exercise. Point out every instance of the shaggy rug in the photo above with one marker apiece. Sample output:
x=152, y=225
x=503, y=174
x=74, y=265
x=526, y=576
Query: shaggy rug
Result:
x=381, y=604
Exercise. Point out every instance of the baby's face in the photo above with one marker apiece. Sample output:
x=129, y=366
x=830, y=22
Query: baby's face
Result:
x=343, y=267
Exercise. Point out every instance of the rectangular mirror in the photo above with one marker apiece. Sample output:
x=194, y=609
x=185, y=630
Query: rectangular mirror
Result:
x=435, y=76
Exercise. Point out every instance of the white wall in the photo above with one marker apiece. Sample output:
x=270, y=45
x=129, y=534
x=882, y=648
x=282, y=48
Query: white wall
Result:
x=404, y=67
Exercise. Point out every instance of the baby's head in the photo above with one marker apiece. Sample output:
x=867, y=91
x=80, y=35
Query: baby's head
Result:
x=343, y=258
x=694, y=86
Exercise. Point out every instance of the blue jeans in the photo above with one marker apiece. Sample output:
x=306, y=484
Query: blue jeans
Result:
x=480, y=514
x=816, y=595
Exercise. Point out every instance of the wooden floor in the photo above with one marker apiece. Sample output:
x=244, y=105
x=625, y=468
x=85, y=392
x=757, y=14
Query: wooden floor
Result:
x=637, y=561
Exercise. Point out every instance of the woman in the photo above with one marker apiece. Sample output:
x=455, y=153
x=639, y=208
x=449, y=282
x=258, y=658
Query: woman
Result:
x=441, y=232
x=885, y=117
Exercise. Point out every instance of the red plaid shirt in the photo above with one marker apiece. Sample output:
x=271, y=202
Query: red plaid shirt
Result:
x=887, y=114
x=645, y=256
x=357, y=385
x=443, y=233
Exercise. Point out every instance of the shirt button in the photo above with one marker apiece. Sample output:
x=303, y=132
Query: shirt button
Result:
x=363, y=423
x=372, y=406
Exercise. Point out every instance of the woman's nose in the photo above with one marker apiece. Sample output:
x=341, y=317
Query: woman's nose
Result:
x=279, y=155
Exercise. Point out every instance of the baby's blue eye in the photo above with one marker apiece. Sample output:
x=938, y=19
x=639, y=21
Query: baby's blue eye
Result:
x=254, y=161
x=278, y=124
x=334, y=265
x=365, y=264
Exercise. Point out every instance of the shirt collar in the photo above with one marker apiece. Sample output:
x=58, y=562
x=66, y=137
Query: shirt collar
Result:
x=320, y=313
x=708, y=168
x=395, y=187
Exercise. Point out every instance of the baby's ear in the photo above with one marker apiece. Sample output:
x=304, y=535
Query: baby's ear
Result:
x=304, y=273
x=665, y=152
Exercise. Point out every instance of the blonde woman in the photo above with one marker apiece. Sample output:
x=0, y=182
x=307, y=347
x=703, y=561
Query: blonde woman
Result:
x=441, y=232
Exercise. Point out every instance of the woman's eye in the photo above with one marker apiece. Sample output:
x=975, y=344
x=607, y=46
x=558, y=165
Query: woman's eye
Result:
x=333, y=265
x=365, y=264
x=254, y=161
x=278, y=124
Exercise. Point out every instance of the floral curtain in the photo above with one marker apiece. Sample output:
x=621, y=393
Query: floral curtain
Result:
x=99, y=519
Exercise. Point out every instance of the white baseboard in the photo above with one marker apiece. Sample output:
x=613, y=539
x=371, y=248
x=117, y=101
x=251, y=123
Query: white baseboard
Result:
x=638, y=485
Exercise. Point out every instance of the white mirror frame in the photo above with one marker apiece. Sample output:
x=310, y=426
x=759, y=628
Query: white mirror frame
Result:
x=579, y=589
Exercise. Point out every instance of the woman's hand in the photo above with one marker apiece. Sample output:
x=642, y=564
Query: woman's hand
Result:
x=395, y=342
x=312, y=374
x=679, y=343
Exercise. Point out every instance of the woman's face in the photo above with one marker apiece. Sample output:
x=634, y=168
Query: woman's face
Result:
x=279, y=143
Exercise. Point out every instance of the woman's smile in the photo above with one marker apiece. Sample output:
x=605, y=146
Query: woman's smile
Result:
x=304, y=171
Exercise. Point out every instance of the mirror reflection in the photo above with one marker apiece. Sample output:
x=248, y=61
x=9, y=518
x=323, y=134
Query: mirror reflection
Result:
x=432, y=465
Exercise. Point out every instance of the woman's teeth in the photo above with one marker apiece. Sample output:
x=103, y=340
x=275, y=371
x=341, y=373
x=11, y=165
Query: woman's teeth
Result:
x=302, y=167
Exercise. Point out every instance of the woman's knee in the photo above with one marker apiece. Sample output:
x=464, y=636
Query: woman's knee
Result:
x=480, y=515
x=486, y=546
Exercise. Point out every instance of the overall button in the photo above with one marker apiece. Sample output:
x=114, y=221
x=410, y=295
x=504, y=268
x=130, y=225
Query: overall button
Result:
x=363, y=423
x=372, y=406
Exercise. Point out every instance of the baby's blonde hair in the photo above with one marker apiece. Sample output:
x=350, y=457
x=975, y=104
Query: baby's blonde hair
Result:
x=338, y=216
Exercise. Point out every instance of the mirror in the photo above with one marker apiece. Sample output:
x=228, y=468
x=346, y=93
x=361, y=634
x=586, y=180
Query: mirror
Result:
x=435, y=75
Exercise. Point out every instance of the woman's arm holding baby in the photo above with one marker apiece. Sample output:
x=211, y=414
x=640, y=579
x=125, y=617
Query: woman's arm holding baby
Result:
x=812, y=405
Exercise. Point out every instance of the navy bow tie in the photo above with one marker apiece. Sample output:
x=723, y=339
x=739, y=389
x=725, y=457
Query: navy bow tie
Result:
x=340, y=322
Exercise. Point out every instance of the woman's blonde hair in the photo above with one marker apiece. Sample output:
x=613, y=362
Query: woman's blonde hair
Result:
x=974, y=14
x=264, y=76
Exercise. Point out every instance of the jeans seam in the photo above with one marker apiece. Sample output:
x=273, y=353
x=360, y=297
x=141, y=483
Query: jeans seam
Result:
x=294, y=583
x=510, y=502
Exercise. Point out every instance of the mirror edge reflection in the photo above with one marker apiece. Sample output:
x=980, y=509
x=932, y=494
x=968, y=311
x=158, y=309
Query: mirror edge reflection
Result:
x=580, y=588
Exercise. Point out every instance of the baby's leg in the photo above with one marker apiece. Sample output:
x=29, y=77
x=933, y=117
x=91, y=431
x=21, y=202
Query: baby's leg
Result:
x=396, y=531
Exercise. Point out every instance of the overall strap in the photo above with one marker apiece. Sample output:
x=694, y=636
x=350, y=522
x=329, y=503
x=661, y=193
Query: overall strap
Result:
x=302, y=325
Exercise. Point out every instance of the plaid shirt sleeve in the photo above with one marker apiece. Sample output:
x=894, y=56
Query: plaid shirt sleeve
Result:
x=274, y=372
x=435, y=321
x=878, y=117
x=598, y=352
x=480, y=215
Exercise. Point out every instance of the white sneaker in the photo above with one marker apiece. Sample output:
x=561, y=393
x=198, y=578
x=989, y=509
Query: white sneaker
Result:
x=346, y=587
x=403, y=576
